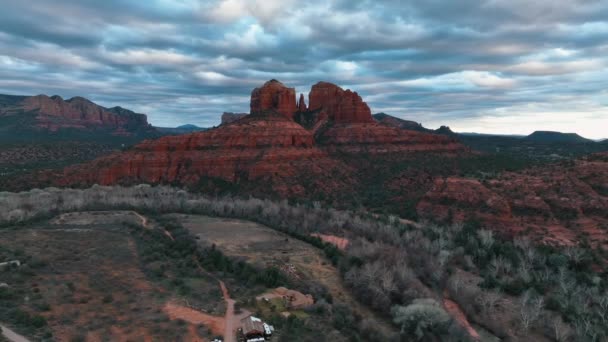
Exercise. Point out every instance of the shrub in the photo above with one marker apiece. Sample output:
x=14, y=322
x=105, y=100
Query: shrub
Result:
x=423, y=319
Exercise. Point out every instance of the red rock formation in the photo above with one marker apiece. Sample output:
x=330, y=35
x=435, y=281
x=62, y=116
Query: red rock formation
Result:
x=377, y=138
x=341, y=106
x=273, y=95
x=54, y=113
x=557, y=204
x=301, y=104
x=265, y=147
x=228, y=117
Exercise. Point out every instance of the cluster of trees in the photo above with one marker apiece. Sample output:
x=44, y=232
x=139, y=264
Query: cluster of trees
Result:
x=391, y=266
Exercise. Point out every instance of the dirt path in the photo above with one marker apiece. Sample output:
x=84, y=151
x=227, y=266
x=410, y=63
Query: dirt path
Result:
x=144, y=220
x=146, y=224
x=230, y=319
x=11, y=335
x=456, y=312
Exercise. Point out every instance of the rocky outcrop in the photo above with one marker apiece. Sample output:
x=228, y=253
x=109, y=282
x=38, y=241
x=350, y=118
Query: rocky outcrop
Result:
x=301, y=104
x=559, y=204
x=340, y=106
x=273, y=95
x=229, y=117
x=54, y=113
x=264, y=149
x=293, y=149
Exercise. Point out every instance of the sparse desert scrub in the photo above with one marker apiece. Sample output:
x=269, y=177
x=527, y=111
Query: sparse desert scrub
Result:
x=391, y=263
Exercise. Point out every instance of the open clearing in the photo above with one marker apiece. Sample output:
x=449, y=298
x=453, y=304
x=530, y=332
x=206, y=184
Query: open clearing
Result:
x=265, y=247
x=89, y=282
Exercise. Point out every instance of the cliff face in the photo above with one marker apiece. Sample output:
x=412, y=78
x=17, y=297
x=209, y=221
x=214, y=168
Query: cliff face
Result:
x=265, y=147
x=54, y=113
x=293, y=148
x=339, y=105
x=557, y=204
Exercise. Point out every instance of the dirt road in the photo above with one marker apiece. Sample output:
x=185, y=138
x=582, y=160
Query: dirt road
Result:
x=231, y=321
x=11, y=335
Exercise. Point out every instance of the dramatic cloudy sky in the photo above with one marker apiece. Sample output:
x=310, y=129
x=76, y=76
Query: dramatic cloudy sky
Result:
x=501, y=66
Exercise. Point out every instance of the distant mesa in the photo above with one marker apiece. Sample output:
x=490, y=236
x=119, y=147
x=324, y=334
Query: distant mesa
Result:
x=556, y=137
x=54, y=114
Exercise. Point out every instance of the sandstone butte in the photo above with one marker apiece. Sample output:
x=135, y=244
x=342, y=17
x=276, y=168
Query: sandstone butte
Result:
x=265, y=147
x=270, y=144
x=559, y=204
x=273, y=95
x=54, y=113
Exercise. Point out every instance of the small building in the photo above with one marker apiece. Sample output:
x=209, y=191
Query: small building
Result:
x=255, y=330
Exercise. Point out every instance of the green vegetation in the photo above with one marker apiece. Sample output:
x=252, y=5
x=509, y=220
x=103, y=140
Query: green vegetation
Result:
x=424, y=318
x=512, y=287
x=21, y=306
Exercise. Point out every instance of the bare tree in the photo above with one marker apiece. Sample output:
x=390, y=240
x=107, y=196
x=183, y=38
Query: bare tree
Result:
x=531, y=308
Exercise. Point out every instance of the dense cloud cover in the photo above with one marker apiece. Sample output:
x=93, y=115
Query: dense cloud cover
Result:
x=510, y=66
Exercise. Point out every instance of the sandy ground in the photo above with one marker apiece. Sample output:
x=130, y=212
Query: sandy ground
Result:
x=225, y=326
x=339, y=242
x=176, y=311
x=11, y=335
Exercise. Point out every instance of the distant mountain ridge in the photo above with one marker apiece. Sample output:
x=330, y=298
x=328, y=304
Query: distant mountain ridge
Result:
x=183, y=129
x=390, y=120
x=538, y=136
x=44, y=113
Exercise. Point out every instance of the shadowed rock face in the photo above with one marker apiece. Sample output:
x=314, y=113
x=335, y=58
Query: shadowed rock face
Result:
x=273, y=95
x=301, y=104
x=557, y=204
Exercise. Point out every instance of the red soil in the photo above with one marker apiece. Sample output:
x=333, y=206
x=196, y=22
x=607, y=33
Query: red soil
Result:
x=339, y=242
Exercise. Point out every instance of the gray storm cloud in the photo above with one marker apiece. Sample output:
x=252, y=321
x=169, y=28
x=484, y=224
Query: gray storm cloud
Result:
x=492, y=66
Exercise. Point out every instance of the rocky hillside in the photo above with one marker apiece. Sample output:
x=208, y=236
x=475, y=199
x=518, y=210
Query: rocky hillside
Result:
x=53, y=114
x=565, y=203
x=283, y=147
x=264, y=147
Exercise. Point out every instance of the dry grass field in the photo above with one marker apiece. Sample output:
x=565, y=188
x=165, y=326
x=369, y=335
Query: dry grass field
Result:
x=265, y=247
x=83, y=275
